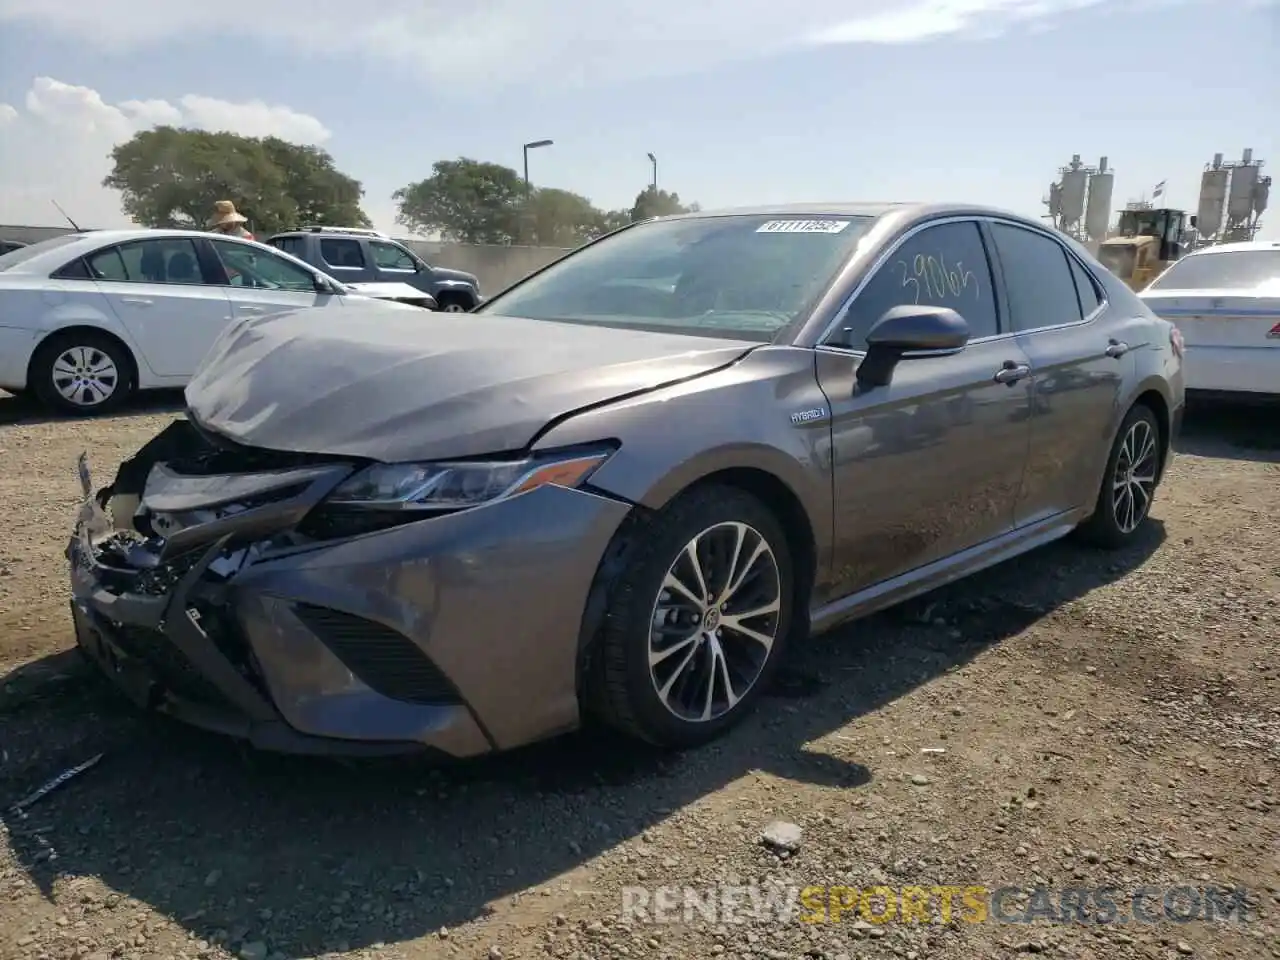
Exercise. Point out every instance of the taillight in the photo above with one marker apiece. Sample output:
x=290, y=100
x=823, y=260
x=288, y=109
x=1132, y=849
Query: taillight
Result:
x=1274, y=332
x=1175, y=340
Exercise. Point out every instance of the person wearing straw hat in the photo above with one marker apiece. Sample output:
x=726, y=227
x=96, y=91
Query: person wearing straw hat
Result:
x=226, y=219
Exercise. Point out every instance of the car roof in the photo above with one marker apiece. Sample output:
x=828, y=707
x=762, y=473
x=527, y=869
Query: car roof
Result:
x=1241, y=247
x=53, y=258
x=908, y=209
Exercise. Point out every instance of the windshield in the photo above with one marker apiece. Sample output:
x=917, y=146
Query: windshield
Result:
x=1237, y=270
x=23, y=254
x=743, y=276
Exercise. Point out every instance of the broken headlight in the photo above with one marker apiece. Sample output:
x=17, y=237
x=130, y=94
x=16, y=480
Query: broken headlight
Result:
x=464, y=483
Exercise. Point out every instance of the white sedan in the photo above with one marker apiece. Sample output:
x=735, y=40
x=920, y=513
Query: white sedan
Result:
x=88, y=318
x=1225, y=300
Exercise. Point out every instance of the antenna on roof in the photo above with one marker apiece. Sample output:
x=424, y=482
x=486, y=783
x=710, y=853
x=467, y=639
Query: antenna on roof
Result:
x=74, y=226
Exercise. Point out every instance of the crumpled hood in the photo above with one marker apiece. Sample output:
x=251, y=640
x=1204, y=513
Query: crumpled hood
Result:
x=381, y=384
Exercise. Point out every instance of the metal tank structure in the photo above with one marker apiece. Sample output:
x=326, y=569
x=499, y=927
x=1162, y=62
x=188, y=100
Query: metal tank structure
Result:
x=1213, y=199
x=1097, y=214
x=1233, y=196
x=1066, y=200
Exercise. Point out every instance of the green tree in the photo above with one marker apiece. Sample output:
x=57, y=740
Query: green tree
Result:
x=465, y=201
x=171, y=177
x=611, y=220
x=559, y=218
x=322, y=193
x=652, y=202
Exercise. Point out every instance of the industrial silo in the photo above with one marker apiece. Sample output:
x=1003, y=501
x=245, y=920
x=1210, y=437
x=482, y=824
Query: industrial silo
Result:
x=1213, y=198
x=1075, y=181
x=1097, y=217
x=1240, y=197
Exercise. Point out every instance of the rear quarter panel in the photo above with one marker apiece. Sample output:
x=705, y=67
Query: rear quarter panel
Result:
x=32, y=311
x=737, y=417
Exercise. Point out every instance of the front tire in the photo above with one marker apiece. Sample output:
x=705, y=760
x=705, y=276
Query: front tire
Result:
x=81, y=373
x=698, y=620
x=454, y=303
x=1129, y=482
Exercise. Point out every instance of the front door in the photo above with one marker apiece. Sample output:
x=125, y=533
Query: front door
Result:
x=932, y=463
x=395, y=265
x=1080, y=358
x=161, y=294
x=261, y=283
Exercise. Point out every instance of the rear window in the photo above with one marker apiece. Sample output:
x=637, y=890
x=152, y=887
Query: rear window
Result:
x=16, y=258
x=1236, y=270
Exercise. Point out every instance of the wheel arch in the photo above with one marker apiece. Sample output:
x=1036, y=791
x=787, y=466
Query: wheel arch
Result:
x=74, y=329
x=1152, y=392
x=775, y=493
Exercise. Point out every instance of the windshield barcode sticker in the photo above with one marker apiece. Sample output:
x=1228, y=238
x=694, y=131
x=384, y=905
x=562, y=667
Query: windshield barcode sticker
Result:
x=802, y=226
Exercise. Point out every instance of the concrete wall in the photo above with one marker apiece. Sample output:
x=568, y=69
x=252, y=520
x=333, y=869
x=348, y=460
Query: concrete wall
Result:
x=497, y=267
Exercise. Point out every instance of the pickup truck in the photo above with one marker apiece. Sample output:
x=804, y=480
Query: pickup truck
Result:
x=357, y=256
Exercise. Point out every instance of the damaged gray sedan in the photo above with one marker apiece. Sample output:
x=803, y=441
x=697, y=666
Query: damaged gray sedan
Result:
x=620, y=488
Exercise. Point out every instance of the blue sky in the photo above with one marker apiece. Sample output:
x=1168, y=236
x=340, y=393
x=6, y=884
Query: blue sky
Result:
x=742, y=101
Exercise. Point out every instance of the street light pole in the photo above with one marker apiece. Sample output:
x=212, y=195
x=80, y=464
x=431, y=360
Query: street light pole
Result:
x=654, y=160
x=534, y=145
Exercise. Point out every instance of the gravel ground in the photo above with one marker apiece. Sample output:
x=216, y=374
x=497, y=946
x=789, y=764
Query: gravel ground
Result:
x=1069, y=720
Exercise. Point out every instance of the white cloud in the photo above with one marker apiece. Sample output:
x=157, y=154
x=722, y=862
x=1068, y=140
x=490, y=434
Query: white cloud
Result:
x=487, y=44
x=932, y=19
x=57, y=148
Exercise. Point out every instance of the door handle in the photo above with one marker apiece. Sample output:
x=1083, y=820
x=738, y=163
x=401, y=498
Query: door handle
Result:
x=136, y=301
x=1011, y=373
x=1116, y=349
x=244, y=309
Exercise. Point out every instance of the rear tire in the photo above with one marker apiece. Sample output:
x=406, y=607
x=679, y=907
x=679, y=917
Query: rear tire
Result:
x=1129, y=482
x=81, y=373
x=678, y=666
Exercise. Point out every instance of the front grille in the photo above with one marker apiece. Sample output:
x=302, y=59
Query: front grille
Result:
x=175, y=672
x=383, y=659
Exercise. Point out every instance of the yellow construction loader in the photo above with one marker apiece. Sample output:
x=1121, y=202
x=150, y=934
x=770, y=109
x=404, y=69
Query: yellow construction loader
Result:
x=1145, y=242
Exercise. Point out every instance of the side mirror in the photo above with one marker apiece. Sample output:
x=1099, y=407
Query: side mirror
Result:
x=323, y=285
x=907, y=331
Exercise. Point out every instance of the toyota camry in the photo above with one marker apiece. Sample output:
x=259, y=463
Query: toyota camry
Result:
x=621, y=488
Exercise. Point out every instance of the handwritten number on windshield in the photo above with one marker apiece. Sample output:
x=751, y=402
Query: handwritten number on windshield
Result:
x=931, y=277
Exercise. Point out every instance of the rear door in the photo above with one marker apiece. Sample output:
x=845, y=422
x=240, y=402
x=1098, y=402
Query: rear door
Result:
x=1081, y=354
x=345, y=258
x=260, y=283
x=160, y=292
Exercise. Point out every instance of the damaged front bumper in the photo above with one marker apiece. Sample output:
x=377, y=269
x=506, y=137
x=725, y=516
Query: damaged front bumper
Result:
x=434, y=635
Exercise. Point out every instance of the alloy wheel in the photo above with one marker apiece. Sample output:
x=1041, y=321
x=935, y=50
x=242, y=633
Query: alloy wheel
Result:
x=454, y=308
x=1134, y=481
x=85, y=376
x=715, y=622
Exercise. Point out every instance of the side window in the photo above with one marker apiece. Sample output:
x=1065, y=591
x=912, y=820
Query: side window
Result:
x=258, y=270
x=1086, y=287
x=388, y=256
x=942, y=266
x=290, y=245
x=1037, y=278
x=341, y=252
x=148, y=261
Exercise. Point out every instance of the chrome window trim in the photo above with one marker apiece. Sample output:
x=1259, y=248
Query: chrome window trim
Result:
x=878, y=265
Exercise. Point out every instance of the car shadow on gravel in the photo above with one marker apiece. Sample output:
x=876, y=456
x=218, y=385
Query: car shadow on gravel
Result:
x=25, y=409
x=308, y=855
x=1231, y=431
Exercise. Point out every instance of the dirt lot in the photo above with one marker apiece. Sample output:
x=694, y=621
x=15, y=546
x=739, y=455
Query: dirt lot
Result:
x=1069, y=720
